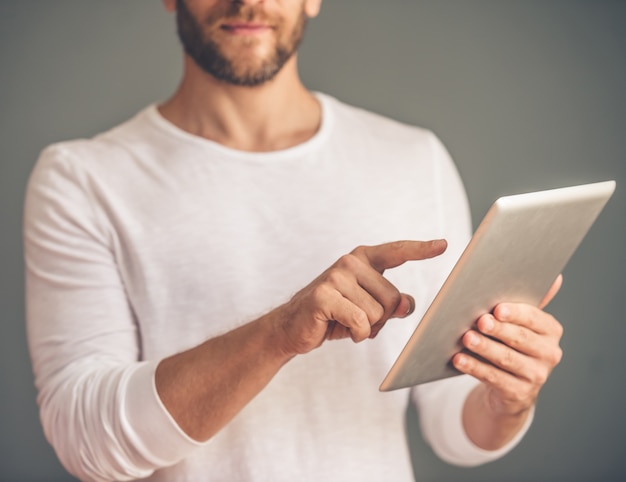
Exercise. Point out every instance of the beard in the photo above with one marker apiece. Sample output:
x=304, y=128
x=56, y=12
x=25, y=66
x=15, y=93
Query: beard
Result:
x=211, y=57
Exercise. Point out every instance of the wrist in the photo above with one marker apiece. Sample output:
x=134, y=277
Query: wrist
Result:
x=276, y=334
x=489, y=423
x=500, y=407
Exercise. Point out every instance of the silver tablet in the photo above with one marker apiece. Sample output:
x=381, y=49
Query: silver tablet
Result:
x=518, y=250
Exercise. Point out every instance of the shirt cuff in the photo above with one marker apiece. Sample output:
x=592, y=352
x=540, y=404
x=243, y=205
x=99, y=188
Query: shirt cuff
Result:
x=157, y=436
x=462, y=451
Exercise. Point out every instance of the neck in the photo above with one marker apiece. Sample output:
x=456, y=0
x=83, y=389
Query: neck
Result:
x=278, y=114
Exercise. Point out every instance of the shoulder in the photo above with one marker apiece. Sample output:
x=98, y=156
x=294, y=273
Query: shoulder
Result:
x=104, y=149
x=363, y=122
x=385, y=141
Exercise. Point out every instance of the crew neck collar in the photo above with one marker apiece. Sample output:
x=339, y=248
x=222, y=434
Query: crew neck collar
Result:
x=172, y=130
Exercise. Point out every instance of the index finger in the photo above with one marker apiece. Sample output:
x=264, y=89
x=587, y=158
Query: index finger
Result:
x=391, y=255
x=527, y=316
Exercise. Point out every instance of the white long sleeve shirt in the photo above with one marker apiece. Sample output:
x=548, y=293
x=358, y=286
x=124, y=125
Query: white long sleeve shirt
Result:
x=146, y=240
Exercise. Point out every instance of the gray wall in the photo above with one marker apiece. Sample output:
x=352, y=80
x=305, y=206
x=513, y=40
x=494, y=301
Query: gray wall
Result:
x=527, y=94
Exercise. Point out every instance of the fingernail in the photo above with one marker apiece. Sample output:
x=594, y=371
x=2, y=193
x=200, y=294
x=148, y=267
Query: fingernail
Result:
x=472, y=339
x=488, y=324
x=460, y=361
x=411, y=307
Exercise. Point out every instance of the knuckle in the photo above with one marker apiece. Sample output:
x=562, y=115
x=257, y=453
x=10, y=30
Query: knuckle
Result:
x=396, y=298
x=557, y=356
x=348, y=261
x=335, y=277
x=558, y=329
x=360, y=319
x=358, y=251
x=540, y=377
x=522, y=336
x=492, y=377
x=508, y=362
x=391, y=300
x=378, y=312
x=321, y=293
x=360, y=329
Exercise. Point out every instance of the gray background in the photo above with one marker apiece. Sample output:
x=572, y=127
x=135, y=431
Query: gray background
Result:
x=525, y=94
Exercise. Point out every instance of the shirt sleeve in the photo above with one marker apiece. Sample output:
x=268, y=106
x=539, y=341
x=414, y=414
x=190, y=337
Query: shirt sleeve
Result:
x=440, y=404
x=440, y=408
x=98, y=404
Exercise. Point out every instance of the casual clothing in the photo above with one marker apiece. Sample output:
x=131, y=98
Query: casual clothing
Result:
x=146, y=241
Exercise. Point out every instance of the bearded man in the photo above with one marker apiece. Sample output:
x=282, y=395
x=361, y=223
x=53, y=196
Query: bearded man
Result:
x=178, y=323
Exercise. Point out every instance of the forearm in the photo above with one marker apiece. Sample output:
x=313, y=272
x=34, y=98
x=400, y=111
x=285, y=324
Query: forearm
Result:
x=485, y=425
x=205, y=387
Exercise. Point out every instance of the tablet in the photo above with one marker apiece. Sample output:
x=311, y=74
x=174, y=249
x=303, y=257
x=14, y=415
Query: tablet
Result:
x=517, y=252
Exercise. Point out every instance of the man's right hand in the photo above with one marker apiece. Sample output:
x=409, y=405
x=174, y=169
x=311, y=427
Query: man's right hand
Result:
x=351, y=298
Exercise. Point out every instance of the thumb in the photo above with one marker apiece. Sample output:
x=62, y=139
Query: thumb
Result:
x=405, y=307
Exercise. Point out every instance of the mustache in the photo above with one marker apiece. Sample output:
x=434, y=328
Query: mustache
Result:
x=235, y=12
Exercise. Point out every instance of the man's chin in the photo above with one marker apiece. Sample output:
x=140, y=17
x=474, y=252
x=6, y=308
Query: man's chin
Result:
x=246, y=79
x=248, y=70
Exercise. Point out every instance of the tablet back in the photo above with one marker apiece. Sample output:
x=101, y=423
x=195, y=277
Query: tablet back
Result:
x=518, y=250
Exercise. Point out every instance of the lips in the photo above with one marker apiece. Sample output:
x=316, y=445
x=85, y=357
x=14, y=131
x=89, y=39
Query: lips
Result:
x=245, y=28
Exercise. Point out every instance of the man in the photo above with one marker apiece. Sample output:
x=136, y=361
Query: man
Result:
x=163, y=257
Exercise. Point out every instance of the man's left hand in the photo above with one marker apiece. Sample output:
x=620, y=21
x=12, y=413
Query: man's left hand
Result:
x=516, y=348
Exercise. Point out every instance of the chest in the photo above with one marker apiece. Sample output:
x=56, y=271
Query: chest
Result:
x=208, y=249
